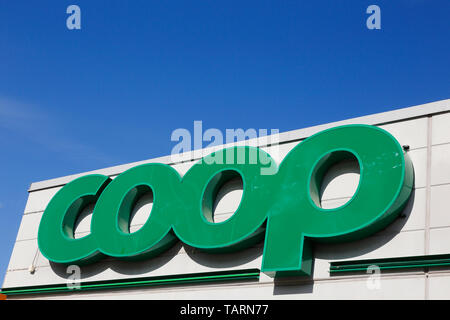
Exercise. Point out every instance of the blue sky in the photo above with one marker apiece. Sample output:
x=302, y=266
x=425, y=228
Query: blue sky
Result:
x=113, y=92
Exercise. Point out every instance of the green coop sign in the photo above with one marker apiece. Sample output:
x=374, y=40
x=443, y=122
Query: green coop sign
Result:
x=282, y=208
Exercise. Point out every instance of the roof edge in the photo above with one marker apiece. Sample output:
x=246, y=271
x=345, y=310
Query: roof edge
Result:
x=284, y=137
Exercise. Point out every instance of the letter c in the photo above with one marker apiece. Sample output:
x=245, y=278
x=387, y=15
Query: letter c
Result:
x=56, y=229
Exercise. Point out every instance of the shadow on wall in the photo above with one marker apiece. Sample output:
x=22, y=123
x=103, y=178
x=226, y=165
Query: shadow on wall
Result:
x=221, y=262
x=349, y=250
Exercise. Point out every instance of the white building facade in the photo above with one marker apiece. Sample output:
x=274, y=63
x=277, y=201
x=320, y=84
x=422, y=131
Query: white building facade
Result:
x=409, y=259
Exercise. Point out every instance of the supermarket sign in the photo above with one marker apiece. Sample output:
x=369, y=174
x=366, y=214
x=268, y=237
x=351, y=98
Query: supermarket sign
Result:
x=283, y=209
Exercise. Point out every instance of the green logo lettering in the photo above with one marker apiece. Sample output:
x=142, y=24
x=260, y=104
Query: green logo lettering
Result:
x=283, y=208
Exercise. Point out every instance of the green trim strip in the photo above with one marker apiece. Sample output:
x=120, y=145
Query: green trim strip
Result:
x=391, y=263
x=249, y=274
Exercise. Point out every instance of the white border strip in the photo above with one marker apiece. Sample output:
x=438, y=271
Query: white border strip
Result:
x=294, y=135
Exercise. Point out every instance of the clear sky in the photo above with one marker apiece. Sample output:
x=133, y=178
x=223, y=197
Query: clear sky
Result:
x=113, y=92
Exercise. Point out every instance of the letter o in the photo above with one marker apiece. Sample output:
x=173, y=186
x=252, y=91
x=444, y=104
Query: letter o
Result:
x=200, y=185
x=112, y=212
